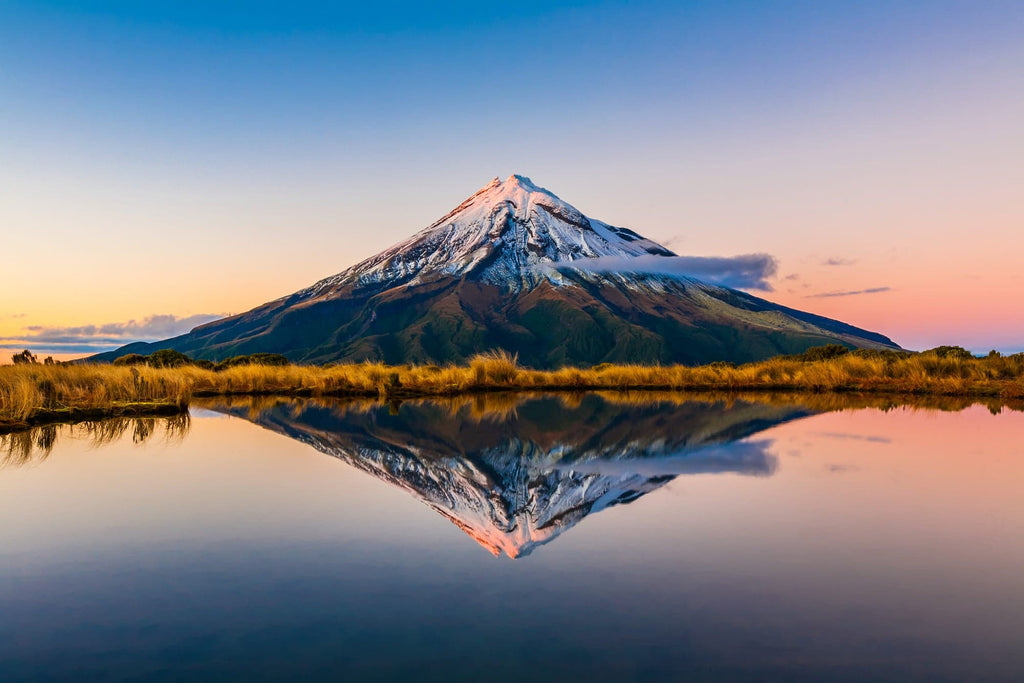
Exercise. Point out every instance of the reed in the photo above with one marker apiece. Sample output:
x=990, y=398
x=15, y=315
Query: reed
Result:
x=32, y=393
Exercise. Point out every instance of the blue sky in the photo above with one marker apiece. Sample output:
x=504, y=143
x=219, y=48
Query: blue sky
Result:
x=216, y=155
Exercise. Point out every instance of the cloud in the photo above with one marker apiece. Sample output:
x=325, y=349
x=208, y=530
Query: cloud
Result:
x=870, y=290
x=152, y=327
x=855, y=437
x=750, y=457
x=839, y=262
x=97, y=338
x=16, y=344
x=748, y=271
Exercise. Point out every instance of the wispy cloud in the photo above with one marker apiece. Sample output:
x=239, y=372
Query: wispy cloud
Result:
x=839, y=262
x=855, y=292
x=854, y=437
x=747, y=271
x=97, y=338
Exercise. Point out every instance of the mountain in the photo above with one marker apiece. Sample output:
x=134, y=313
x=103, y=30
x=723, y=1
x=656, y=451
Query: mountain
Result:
x=518, y=477
x=512, y=267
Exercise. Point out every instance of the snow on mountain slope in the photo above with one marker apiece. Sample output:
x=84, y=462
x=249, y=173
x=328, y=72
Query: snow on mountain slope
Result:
x=510, y=233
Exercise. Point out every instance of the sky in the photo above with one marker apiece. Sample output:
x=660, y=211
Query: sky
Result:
x=166, y=163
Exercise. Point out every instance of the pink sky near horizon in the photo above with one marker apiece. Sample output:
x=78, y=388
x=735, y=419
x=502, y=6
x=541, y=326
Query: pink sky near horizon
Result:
x=955, y=287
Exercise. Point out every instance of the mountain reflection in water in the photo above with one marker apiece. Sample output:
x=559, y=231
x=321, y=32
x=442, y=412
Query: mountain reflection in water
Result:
x=514, y=473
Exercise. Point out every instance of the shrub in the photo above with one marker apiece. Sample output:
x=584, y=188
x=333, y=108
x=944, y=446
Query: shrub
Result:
x=887, y=355
x=26, y=357
x=168, y=358
x=252, y=359
x=951, y=352
x=817, y=353
x=131, y=359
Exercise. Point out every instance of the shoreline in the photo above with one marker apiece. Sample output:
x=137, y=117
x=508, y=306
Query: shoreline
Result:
x=74, y=415
x=35, y=394
x=881, y=398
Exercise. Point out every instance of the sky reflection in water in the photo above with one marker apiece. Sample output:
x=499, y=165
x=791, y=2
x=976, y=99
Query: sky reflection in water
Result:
x=716, y=540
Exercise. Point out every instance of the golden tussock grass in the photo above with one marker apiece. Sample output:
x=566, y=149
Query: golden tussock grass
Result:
x=37, y=393
x=31, y=391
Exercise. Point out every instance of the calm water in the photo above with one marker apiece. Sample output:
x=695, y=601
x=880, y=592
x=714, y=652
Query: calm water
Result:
x=517, y=539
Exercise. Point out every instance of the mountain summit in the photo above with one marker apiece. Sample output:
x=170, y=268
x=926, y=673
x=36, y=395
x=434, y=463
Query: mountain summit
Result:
x=510, y=233
x=512, y=267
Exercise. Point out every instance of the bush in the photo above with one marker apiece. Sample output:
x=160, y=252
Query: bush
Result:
x=26, y=357
x=887, y=355
x=951, y=352
x=817, y=353
x=252, y=359
x=131, y=359
x=164, y=358
x=168, y=358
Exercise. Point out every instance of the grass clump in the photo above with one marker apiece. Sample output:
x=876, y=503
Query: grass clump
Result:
x=33, y=393
x=494, y=367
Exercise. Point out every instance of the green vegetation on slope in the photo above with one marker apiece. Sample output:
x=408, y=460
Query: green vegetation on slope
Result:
x=449, y=320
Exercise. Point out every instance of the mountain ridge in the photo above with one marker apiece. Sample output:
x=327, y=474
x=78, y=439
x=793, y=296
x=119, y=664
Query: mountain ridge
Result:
x=508, y=268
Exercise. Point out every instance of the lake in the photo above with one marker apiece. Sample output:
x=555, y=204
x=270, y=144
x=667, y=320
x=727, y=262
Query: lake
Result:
x=594, y=537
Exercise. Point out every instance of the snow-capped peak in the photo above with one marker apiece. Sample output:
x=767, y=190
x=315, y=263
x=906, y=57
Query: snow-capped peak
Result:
x=510, y=233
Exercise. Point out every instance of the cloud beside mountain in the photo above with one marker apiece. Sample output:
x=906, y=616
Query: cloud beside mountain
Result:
x=747, y=271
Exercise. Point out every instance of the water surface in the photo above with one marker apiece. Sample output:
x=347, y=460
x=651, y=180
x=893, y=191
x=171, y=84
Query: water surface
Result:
x=517, y=537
